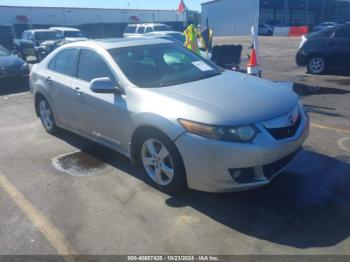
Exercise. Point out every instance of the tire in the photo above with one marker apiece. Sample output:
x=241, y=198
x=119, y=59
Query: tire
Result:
x=46, y=116
x=161, y=162
x=317, y=65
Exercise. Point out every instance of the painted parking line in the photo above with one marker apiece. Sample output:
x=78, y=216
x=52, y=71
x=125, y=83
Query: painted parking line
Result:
x=340, y=130
x=50, y=232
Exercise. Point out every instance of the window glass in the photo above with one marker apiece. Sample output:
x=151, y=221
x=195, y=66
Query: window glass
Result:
x=343, y=32
x=130, y=29
x=65, y=62
x=91, y=66
x=162, y=65
x=52, y=63
x=149, y=29
x=141, y=30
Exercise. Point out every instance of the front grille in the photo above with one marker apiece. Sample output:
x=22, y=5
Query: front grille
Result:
x=285, y=132
x=271, y=169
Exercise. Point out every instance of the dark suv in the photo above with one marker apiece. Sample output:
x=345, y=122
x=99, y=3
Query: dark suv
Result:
x=326, y=49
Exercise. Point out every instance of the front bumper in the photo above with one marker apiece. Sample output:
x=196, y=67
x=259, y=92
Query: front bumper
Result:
x=209, y=163
x=301, y=58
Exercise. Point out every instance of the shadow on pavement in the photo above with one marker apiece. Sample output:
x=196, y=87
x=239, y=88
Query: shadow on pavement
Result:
x=306, y=206
x=13, y=86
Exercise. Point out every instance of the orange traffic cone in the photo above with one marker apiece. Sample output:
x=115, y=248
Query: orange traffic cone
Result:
x=253, y=67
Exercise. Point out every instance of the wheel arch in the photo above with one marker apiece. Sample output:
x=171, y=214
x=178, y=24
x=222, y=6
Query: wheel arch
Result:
x=37, y=98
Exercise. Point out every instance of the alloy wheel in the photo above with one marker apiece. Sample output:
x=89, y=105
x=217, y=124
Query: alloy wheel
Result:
x=157, y=162
x=46, y=115
x=317, y=65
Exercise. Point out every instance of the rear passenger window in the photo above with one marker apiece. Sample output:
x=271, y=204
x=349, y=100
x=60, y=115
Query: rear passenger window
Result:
x=141, y=30
x=65, y=62
x=130, y=29
x=343, y=32
x=91, y=66
x=149, y=29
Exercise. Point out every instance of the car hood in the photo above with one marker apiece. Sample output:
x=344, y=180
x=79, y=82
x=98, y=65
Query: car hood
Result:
x=10, y=61
x=230, y=99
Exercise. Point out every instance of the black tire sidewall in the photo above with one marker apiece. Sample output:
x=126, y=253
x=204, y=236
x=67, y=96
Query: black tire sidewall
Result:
x=179, y=180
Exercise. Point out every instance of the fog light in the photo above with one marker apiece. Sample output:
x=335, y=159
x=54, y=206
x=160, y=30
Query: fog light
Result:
x=243, y=175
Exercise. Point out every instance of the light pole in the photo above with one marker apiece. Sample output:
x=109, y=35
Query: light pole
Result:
x=285, y=12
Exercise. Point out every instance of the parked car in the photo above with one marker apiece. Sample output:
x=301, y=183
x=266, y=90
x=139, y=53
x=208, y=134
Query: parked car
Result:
x=265, y=30
x=133, y=30
x=181, y=118
x=171, y=35
x=324, y=50
x=70, y=34
x=37, y=43
x=325, y=25
x=11, y=65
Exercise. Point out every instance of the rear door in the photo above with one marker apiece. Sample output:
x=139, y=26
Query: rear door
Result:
x=61, y=70
x=340, y=44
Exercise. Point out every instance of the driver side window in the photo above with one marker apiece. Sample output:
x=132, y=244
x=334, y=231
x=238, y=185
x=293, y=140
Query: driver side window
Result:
x=91, y=65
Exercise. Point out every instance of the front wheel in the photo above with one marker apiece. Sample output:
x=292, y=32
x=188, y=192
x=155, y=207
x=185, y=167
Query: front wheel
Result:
x=46, y=116
x=317, y=65
x=161, y=162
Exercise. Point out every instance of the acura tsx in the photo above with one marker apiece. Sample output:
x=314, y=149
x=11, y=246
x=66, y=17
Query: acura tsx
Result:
x=183, y=120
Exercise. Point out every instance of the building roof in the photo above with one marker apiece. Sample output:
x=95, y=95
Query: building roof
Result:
x=210, y=2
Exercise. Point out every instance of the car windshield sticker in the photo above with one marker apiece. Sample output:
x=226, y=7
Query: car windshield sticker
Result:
x=202, y=66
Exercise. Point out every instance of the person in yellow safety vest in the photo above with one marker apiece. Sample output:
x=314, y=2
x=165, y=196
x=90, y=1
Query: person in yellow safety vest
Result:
x=191, y=34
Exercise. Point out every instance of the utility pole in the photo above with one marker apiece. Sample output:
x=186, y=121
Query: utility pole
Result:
x=323, y=13
x=285, y=12
x=306, y=11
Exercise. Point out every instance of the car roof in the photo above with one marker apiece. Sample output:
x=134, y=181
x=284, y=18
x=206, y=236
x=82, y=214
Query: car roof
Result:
x=147, y=24
x=64, y=29
x=40, y=30
x=111, y=43
x=164, y=32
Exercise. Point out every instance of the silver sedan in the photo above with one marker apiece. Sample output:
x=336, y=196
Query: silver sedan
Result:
x=182, y=119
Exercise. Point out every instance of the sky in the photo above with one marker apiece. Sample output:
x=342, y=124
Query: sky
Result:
x=141, y=4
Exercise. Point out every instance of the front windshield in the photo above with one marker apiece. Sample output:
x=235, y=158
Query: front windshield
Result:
x=162, y=65
x=178, y=36
x=47, y=35
x=73, y=34
x=4, y=51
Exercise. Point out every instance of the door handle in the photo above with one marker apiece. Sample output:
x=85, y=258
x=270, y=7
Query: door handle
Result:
x=49, y=79
x=78, y=91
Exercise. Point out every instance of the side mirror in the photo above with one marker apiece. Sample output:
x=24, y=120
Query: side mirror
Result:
x=104, y=85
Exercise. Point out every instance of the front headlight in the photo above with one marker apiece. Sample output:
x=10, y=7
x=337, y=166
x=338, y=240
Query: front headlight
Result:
x=24, y=67
x=303, y=109
x=237, y=134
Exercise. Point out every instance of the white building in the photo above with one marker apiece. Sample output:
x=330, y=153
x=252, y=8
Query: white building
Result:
x=231, y=17
x=78, y=16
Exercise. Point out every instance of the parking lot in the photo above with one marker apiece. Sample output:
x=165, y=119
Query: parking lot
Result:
x=106, y=208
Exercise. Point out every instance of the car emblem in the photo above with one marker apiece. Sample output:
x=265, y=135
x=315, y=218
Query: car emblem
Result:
x=293, y=118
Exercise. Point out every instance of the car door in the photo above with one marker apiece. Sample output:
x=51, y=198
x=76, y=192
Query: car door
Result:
x=104, y=117
x=59, y=74
x=340, y=44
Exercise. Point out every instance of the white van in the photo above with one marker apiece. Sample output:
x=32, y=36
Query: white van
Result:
x=134, y=30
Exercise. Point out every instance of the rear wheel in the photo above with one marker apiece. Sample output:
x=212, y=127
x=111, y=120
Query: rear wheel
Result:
x=46, y=116
x=161, y=162
x=317, y=65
